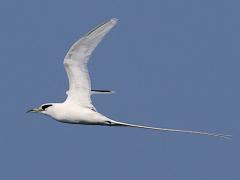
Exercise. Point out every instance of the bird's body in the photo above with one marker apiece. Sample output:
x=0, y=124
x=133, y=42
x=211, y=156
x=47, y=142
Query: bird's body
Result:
x=75, y=114
x=78, y=107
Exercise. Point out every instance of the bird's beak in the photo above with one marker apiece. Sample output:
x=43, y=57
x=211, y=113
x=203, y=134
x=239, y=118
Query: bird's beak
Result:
x=34, y=110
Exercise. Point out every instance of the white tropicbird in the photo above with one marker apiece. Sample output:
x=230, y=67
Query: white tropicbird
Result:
x=78, y=107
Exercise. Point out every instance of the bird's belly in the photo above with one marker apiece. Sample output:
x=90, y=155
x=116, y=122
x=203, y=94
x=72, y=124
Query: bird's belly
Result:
x=83, y=116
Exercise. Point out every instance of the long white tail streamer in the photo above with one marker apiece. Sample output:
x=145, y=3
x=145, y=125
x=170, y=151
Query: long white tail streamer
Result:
x=117, y=123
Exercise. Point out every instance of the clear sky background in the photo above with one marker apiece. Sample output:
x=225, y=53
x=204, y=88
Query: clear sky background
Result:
x=172, y=63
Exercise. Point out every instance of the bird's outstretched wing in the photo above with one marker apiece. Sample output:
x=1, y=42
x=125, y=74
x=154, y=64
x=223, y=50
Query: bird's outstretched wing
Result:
x=75, y=64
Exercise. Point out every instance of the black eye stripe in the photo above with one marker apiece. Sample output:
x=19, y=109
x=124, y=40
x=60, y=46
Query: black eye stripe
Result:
x=46, y=106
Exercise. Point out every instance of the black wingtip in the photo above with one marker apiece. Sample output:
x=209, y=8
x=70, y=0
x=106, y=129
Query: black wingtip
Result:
x=101, y=91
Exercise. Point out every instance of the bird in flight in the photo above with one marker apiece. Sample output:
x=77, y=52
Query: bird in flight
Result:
x=78, y=107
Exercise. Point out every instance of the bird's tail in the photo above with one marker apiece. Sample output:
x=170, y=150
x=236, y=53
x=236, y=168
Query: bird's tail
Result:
x=220, y=135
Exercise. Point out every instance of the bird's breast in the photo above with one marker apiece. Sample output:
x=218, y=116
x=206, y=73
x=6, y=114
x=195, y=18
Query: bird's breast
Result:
x=79, y=116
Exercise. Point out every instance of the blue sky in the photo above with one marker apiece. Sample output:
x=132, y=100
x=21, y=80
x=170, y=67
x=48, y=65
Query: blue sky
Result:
x=172, y=63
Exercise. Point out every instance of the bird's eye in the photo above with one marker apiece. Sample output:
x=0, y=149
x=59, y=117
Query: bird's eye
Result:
x=46, y=106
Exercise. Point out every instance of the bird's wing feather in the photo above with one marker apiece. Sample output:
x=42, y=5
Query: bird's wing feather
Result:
x=75, y=64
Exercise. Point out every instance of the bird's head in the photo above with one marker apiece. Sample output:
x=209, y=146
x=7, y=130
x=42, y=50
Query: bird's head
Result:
x=44, y=109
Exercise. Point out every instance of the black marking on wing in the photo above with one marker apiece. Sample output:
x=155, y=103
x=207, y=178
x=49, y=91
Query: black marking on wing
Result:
x=90, y=32
x=93, y=109
x=96, y=90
